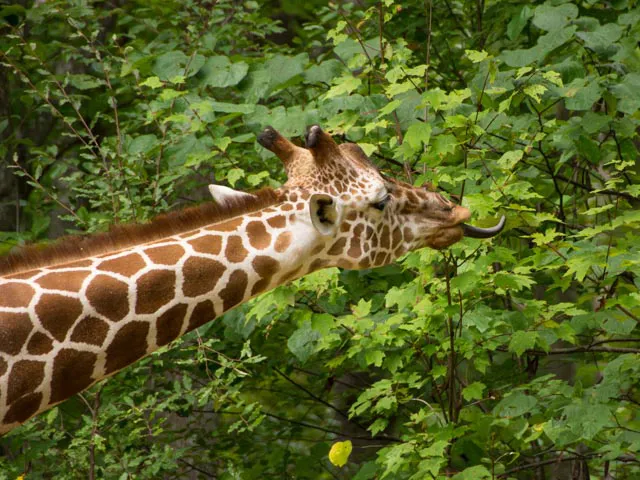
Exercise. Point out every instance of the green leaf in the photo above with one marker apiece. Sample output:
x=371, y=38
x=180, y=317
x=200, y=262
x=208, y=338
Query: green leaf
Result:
x=170, y=94
x=522, y=341
x=389, y=107
x=256, y=178
x=588, y=148
x=535, y=91
x=518, y=22
x=582, y=95
x=473, y=391
x=374, y=357
x=222, y=143
x=418, y=134
x=602, y=37
x=303, y=342
x=82, y=81
x=362, y=309
x=477, y=472
x=546, y=44
x=508, y=160
x=515, y=405
x=378, y=426
x=549, y=18
x=475, y=56
x=324, y=72
x=627, y=93
x=244, y=108
x=282, y=68
x=219, y=72
x=153, y=82
x=512, y=281
x=142, y=144
x=171, y=64
x=343, y=86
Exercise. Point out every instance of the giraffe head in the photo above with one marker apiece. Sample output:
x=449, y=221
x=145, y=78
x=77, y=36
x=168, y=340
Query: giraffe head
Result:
x=362, y=218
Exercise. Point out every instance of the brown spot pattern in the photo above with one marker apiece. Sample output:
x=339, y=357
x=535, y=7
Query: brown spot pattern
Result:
x=14, y=330
x=3, y=366
x=338, y=246
x=228, y=226
x=57, y=313
x=165, y=255
x=408, y=235
x=23, y=275
x=110, y=297
x=200, y=275
x=155, y=289
x=283, y=241
x=170, y=323
x=90, y=330
x=25, y=376
x=290, y=274
x=72, y=373
x=266, y=268
x=203, y=313
x=234, y=292
x=69, y=281
x=74, y=264
x=211, y=244
x=317, y=264
x=128, y=345
x=14, y=294
x=365, y=263
x=235, y=251
x=127, y=265
x=346, y=264
x=369, y=232
x=39, y=344
x=277, y=222
x=259, y=238
x=21, y=410
x=397, y=236
x=355, y=251
x=384, y=237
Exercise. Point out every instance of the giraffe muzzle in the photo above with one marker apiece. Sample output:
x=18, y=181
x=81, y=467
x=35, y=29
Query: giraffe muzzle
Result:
x=477, y=232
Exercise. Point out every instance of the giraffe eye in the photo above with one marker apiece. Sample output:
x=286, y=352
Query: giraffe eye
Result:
x=381, y=204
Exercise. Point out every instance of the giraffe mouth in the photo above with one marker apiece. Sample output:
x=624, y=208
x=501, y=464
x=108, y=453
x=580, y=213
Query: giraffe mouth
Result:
x=477, y=232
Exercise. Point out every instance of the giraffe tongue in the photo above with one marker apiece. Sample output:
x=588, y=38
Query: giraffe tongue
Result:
x=477, y=232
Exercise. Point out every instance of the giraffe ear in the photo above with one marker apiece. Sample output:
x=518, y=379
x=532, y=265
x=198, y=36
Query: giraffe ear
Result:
x=326, y=213
x=225, y=195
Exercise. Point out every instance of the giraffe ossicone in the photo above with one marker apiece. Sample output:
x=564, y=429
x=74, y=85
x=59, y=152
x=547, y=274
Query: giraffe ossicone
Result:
x=81, y=310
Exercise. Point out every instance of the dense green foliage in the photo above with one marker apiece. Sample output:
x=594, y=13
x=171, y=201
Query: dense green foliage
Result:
x=510, y=358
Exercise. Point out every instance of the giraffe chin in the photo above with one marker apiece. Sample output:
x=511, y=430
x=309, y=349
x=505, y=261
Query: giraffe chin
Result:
x=445, y=237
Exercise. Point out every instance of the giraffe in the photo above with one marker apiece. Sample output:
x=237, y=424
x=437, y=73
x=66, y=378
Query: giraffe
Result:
x=86, y=307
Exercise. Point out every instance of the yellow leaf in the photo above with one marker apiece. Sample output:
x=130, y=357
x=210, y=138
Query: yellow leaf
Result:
x=339, y=453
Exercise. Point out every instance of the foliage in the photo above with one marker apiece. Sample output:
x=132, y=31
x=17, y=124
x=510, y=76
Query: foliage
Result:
x=493, y=359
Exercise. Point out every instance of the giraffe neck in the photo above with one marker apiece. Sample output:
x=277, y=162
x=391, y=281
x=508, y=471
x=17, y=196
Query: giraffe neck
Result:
x=67, y=326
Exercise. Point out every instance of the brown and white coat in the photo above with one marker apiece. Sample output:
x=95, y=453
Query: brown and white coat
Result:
x=85, y=308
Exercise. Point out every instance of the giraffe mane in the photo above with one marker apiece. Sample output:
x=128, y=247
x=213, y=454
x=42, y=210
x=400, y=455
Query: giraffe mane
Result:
x=77, y=247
